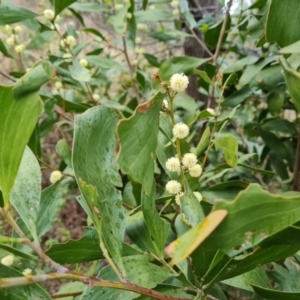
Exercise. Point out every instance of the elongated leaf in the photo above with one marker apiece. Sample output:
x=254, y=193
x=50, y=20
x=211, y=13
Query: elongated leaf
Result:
x=189, y=241
x=26, y=193
x=60, y=5
x=138, y=142
x=4, y=50
x=78, y=72
x=244, y=281
x=292, y=79
x=237, y=97
x=158, y=228
x=18, y=119
x=273, y=294
x=47, y=208
x=31, y=82
x=180, y=64
x=32, y=291
x=97, y=175
x=245, y=227
x=240, y=64
x=229, y=145
x=62, y=149
x=204, y=141
x=11, y=13
x=139, y=271
x=282, y=22
x=293, y=48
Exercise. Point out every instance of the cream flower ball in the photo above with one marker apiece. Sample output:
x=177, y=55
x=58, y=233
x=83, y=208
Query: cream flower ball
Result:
x=178, y=198
x=189, y=160
x=180, y=130
x=84, y=62
x=55, y=176
x=173, y=187
x=179, y=82
x=211, y=111
x=173, y=164
x=49, y=14
x=70, y=40
x=195, y=171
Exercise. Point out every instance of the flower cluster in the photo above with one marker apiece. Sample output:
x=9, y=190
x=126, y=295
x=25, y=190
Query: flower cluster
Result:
x=179, y=82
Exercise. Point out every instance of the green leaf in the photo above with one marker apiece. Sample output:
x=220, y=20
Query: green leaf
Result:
x=180, y=64
x=31, y=82
x=32, y=291
x=101, y=62
x=63, y=150
x=139, y=271
x=47, y=208
x=276, y=100
x=244, y=281
x=189, y=241
x=3, y=50
x=13, y=14
x=26, y=193
x=240, y=64
x=282, y=22
x=60, y=5
x=138, y=142
x=229, y=145
x=204, y=141
x=89, y=7
x=280, y=125
x=168, y=290
x=158, y=228
x=203, y=75
x=139, y=233
x=273, y=294
x=237, y=97
x=77, y=251
x=97, y=175
x=293, y=48
x=245, y=227
x=292, y=79
x=18, y=119
x=40, y=39
x=118, y=20
x=78, y=72
x=191, y=211
x=152, y=15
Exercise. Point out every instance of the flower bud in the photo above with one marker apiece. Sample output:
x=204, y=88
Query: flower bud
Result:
x=49, y=14
x=70, y=40
x=17, y=29
x=20, y=48
x=55, y=176
x=27, y=272
x=83, y=62
x=58, y=85
x=96, y=97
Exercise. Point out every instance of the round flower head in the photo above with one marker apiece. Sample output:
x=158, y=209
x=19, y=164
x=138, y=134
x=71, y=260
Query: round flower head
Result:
x=189, y=160
x=70, y=40
x=195, y=171
x=7, y=260
x=175, y=3
x=83, y=62
x=173, y=164
x=198, y=196
x=8, y=29
x=211, y=111
x=20, y=48
x=96, y=97
x=179, y=82
x=55, y=176
x=10, y=41
x=175, y=12
x=180, y=130
x=17, y=29
x=173, y=187
x=129, y=15
x=58, y=85
x=49, y=14
x=27, y=272
x=178, y=198
x=138, y=40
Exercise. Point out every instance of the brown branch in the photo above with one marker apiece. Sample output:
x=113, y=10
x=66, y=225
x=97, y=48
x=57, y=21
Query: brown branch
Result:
x=200, y=42
x=7, y=77
x=90, y=281
x=66, y=295
x=135, y=87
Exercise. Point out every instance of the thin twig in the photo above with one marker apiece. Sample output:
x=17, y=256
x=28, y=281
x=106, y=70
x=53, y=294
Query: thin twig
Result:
x=33, y=245
x=66, y=295
x=136, y=90
x=7, y=77
x=200, y=42
x=59, y=111
x=90, y=281
x=222, y=33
